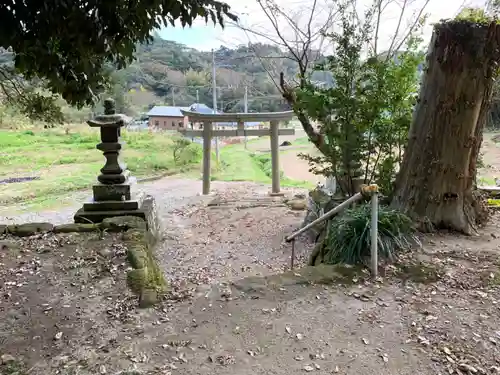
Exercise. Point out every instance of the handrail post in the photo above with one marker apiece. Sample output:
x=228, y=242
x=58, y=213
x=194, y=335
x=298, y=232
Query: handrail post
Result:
x=374, y=231
x=207, y=150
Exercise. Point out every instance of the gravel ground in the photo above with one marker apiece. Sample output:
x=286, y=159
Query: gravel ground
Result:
x=170, y=193
x=67, y=309
x=242, y=236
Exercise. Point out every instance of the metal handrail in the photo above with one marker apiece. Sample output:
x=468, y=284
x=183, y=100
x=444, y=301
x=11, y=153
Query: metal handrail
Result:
x=365, y=190
x=333, y=211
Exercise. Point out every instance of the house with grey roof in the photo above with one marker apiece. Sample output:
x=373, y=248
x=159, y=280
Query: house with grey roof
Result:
x=171, y=118
x=167, y=118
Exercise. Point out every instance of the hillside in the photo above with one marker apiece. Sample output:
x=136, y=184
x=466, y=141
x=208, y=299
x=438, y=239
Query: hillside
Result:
x=169, y=73
x=166, y=72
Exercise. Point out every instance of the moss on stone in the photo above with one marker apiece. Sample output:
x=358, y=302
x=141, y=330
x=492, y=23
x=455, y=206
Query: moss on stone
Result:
x=137, y=279
x=141, y=258
x=29, y=229
x=123, y=223
x=322, y=274
x=137, y=255
x=134, y=235
x=76, y=228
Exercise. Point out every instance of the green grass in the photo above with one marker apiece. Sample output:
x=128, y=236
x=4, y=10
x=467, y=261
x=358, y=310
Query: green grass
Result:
x=67, y=163
x=70, y=162
x=486, y=181
x=301, y=141
x=238, y=164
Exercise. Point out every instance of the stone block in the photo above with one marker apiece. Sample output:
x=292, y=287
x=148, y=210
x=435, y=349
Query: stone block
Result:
x=90, y=217
x=112, y=192
x=76, y=228
x=146, y=211
x=124, y=223
x=112, y=205
x=152, y=219
x=29, y=229
x=148, y=298
x=137, y=279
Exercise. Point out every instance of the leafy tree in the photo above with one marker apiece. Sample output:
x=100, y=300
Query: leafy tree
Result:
x=67, y=43
x=365, y=112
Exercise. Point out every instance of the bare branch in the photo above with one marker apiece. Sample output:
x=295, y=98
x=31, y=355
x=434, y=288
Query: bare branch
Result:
x=409, y=30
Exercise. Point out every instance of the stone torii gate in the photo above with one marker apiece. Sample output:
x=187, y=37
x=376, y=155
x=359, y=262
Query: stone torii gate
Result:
x=208, y=133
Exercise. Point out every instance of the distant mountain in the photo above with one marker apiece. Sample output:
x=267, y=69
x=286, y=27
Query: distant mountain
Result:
x=179, y=75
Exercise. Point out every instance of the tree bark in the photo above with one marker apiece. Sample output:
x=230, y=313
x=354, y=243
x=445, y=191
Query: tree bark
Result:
x=435, y=182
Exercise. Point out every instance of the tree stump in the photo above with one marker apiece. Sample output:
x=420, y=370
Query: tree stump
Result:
x=435, y=183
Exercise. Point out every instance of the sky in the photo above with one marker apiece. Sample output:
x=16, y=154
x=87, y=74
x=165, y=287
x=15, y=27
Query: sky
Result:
x=205, y=37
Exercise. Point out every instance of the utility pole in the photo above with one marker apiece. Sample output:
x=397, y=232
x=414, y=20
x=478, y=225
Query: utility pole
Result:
x=197, y=97
x=245, y=100
x=214, y=104
x=173, y=96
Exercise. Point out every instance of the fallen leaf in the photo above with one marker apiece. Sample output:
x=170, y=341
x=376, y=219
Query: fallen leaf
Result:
x=58, y=336
x=299, y=336
x=365, y=341
x=288, y=329
x=446, y=351
x=468, y=368
x=308, y=368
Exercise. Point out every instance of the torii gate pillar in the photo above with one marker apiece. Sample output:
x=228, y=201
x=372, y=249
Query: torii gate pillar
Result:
x=240, y=118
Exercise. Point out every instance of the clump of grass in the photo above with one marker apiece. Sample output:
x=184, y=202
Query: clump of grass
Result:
x=348, y=238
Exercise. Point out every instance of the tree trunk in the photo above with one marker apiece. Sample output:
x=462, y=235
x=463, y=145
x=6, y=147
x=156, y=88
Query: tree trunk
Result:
x=435, y=182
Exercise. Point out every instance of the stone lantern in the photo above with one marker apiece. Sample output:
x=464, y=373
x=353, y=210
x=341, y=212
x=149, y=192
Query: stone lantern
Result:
x=112, y=194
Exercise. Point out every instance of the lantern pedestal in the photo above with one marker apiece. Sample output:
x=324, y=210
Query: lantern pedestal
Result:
x=113, y=195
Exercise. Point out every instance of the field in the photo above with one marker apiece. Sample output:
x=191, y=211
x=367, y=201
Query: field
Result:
x=64, y=163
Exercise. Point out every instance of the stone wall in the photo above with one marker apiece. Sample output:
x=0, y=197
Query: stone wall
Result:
x=145, y=279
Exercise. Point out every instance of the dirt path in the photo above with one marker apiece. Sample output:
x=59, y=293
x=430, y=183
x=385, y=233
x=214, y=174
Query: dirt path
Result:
x=240, y=233
x=293, y=167
x=66, y=311
x=296, y=168
x=170, y=193
x=243, y=235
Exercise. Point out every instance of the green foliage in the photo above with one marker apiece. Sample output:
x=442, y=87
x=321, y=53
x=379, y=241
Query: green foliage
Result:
x=364, y=117
x=168, y=73
x=477, y=15
x=68, y=43
x=178, y=74
x=348, y=237
x=185, y=152
x=264, y=162
x=69, y=162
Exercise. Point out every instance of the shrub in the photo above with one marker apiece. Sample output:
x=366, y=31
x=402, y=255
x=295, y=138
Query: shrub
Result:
x=185, y=152
x=348, y=237
x=264, y=162
x=191, y=154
